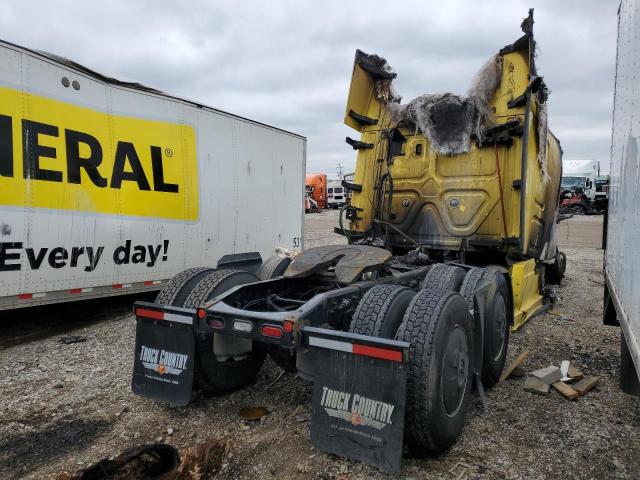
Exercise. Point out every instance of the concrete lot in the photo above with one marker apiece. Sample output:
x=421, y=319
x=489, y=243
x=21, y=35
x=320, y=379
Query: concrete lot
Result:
x=63, y=407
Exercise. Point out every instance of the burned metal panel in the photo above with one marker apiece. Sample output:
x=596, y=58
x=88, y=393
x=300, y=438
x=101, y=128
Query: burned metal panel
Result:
x=495, y=181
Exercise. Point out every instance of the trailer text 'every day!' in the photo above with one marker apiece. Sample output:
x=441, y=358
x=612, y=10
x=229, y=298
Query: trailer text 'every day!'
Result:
x=13, y=257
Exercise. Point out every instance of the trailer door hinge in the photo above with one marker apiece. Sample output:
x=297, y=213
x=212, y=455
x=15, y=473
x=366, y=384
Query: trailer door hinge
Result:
x=517, y=184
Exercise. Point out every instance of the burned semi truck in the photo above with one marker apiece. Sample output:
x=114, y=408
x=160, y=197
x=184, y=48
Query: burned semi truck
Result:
x=451, y=243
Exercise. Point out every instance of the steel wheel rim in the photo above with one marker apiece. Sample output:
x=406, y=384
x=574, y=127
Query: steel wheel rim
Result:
x=500, y=323
x=455, y=371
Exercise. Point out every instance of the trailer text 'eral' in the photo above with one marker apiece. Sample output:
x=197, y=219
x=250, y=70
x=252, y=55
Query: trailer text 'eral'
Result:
x=75, y=158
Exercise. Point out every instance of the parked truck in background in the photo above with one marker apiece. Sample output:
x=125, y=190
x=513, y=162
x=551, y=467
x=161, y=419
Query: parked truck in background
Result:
x=109, y=187
x=622, y=255
x=316, y=185
x=336, y=194
x=582, y=185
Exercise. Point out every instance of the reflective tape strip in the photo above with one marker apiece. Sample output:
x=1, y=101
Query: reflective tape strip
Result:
x=377, y=352
x=158, y=315
x=152, y=282
x=331, y=344
x=178, y=318
x=365, y=350
x=144, y=312
x=121, y=285
x=29, y=296
x=81, y=290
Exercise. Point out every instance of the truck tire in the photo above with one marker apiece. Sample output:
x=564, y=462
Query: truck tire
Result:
x=438, y=326
x=444, y=277
x=273, y=267
x=554, y=273
x=561, y=258
x=498, y=311
x=177, y=289
x=381, y=310
x=212, y=375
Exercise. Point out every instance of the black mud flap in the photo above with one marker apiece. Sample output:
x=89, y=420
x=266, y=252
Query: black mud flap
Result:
x=359, y=396
x=164, y=356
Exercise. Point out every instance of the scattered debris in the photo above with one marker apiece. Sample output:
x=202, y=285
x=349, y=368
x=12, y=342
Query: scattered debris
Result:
x=145, y=461
x=69, y=339
x=535, y=385
x=200, y=461
x=158, y=461
x=565, y=390
x=561, y=379
x=575, y=374
x=282, y=372
x=509, y=370
x=584, y=385
x=460, y=470
x=548, y=375
x=560, y=316
x=253, y=413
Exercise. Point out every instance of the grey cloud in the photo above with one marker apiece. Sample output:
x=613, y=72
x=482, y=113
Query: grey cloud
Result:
x=289, y=63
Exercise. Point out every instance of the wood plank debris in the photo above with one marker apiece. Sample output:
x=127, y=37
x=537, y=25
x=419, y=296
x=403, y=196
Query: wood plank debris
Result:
x=507, y=372
x=575, y=374
x=565, y=390
x=584, y=385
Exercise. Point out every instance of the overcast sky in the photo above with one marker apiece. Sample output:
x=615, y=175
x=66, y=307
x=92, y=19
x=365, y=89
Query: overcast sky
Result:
x=288, y=63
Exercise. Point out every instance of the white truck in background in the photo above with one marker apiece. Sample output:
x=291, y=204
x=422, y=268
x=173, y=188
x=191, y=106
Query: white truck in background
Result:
x=336, y=194
x=622, y=255
x=109, y=187
x=584, y=175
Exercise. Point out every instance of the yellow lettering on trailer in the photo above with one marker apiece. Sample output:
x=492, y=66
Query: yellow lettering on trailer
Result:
x=60, y=156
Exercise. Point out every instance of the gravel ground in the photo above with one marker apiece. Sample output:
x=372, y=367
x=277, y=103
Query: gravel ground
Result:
x=63, y=407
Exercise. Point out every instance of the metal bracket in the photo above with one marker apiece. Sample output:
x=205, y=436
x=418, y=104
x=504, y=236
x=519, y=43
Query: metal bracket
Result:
x=362, y=119
x=357, y=145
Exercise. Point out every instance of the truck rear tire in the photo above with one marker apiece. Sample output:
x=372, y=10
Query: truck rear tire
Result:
x=177, y=289
x=554, y=273
x=381, y=310
x=438, y=326
x=212, y=375
x=444, y=277
x=497, y=324
x=273, y=267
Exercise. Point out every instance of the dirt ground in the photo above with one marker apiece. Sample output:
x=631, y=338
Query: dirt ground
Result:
x=63, y=407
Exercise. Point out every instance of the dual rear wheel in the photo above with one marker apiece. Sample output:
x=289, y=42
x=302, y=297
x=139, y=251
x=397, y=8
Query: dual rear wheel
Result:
x=215, y=373
x=222, y=364
x=437, y=323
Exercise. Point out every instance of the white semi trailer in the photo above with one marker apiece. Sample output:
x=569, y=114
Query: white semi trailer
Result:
x=622, y=258
x=109, y=187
